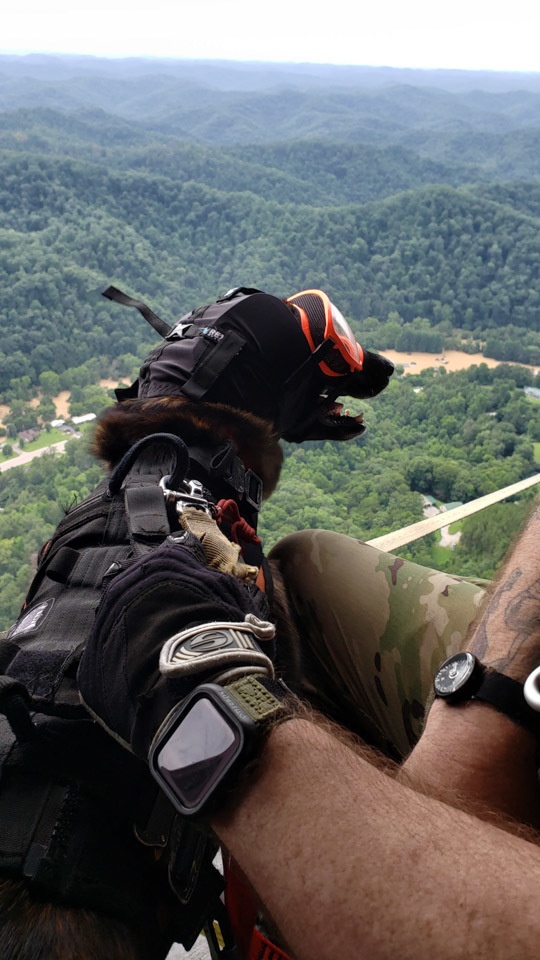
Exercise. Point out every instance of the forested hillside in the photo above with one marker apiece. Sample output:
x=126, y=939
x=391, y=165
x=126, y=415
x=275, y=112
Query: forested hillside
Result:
x=412, y=198
x=466, y=263
x=411, y=202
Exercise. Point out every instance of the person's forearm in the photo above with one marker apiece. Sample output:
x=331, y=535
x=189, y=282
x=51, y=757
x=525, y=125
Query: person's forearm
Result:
x=351, y=863
x=475, y=757
x=508, y=635
x=470, y=750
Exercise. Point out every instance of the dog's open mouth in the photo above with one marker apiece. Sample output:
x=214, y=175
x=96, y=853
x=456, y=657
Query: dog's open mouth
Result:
x=337, y=423
x=327, y=420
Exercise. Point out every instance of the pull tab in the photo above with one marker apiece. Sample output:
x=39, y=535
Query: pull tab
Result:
x=159, y=325
x=124, y=466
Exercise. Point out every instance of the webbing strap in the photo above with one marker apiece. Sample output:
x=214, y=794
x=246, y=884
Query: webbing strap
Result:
x=161, y=327
x=124, y=466
x=261, y=948
x=195, y=880
x=222, y=463
x=146, y=514
x=220, y=553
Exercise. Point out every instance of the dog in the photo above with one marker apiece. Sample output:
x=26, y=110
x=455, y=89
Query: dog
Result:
x=277, y=370
x=226, y=383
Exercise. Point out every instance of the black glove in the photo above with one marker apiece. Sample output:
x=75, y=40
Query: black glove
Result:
x=149, y=601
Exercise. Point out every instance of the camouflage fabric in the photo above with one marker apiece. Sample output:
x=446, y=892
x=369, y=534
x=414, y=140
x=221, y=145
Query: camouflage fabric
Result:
x=375, y=628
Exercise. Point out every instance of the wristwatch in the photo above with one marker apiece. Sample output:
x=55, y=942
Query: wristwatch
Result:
x=463, y=677
x=204, y=744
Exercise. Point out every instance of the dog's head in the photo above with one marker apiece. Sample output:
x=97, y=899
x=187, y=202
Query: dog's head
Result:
x=286, y=361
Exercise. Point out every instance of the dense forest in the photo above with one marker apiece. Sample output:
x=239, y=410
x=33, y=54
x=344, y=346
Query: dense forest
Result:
x=414, y=206
x=411, y=197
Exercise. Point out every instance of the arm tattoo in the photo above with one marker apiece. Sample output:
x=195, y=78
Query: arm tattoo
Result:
x=519, y=615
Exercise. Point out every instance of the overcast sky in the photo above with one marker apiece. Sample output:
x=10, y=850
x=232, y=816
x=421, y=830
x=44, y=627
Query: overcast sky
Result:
x=462, y=34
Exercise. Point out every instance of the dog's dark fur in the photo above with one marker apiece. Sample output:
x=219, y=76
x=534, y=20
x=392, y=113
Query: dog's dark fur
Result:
x=119, y=427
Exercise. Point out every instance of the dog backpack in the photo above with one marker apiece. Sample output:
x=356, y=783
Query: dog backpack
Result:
x=61, y=823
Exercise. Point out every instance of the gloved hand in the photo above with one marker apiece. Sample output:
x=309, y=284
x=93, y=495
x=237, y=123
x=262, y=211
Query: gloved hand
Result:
x=152, y=599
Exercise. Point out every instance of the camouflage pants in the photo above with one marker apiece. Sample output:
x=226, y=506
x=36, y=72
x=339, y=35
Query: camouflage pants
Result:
x=375, y=628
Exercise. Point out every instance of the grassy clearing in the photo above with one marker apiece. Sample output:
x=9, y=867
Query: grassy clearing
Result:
x=439, y=555
x=46, y=439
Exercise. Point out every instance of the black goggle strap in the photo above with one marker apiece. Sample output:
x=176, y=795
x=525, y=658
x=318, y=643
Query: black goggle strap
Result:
x=159, y=325
x=314, y=359
x=299, y=387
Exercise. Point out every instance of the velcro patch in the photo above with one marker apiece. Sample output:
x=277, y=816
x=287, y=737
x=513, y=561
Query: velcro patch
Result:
x=31, y=620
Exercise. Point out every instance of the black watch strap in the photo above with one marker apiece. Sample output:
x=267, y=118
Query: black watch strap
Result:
x=506, y=695
x=462, y=678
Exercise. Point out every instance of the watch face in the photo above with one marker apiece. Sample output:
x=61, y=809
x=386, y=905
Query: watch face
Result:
x=199, y=748
x=454, y=674
x=197, y=752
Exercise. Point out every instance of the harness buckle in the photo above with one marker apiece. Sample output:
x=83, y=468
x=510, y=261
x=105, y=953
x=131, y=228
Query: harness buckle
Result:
x=192, y=496
x=253, y=489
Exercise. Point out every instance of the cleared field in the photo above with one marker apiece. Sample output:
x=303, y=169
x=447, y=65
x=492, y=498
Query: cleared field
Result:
x=450, y=359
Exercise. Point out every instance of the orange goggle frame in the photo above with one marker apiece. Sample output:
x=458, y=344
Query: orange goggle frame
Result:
x=322, y=321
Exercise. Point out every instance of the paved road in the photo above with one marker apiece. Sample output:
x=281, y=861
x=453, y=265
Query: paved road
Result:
x=29, y=455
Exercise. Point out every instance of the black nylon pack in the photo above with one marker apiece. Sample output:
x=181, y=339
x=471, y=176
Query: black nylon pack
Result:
x=43, y=647
x=71, y=780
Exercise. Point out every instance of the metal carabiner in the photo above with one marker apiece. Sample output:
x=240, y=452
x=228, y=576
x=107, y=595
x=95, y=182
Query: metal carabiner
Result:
x=193, y=496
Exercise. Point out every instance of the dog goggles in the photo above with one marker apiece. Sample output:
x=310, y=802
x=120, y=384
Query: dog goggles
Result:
x=321, y=323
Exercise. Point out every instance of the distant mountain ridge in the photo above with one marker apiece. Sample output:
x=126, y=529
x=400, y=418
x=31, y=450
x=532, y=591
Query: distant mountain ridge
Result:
x=203, y=109
x=237, y=75
x=464, y=256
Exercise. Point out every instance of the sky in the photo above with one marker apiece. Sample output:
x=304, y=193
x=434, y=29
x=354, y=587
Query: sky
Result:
x=461, y=34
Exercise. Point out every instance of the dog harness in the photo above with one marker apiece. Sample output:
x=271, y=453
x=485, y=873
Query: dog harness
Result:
x=63, y=826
